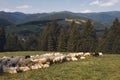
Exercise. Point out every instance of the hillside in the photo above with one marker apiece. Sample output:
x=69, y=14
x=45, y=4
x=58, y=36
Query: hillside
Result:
x=4, y=22
x=29, y=23
x=18, y=17
x=103, y=17
x=38, y=25
x=94, y=68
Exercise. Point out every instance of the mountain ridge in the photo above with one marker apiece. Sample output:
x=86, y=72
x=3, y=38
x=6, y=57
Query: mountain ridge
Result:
x=19, y=17
x=29, y=23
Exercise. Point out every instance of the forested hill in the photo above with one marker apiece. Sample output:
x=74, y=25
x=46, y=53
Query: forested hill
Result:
x=60, y=38
x=30, y=23
x=5, y=22
x=18, y=17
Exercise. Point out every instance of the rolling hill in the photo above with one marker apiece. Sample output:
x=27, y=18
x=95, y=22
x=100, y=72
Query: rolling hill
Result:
x=103, y=17
x=18, y=17
x=29, y=23
x=4, y=22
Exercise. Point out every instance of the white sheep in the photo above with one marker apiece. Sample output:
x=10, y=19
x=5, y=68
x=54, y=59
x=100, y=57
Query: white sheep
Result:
x=87, y=54
x=9, y=69
x=100, y=54
x=46, y=66
x=34, y=66
x=57, y=59
x=71, y=55
x=80, y=54
x=43, y=60
x=68, y=59
x=23, y=68
x=71, y=58
x=74, y=59
x=82, y=57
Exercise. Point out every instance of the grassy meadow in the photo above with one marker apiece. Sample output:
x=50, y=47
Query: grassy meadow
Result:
x=92, y=68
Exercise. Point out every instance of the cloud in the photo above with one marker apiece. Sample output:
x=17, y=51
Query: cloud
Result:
x=7, y=10
x=104, y=4
x=86, y=11
x=97, y=2
x=24, y=7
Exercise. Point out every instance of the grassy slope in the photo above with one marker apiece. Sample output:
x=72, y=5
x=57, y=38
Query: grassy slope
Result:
x=99, y=68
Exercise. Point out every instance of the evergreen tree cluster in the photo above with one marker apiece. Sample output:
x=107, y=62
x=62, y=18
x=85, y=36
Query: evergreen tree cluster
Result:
x=111, y=40
x=59, y=38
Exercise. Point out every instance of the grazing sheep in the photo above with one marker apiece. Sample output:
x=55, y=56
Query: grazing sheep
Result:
x=82, y=57
x=9, y=69
x=39, y=65
x=57, y=59
x=74, y=59
x=12, y=62
x=68, y=58
x=56, y=54
x=49, y=57
x=71, y=59
x=97, y=54
x=77, y=55
x=43, y=60
x=5, y=57
x=63, y=58
x=34, y=60
x=80, y=54
x=27, y=56
x=87, y=54
x=71, y=55
x=24, y=62
x=46, y=66
x=23, y=69
x=100, y=54
x=34, y=67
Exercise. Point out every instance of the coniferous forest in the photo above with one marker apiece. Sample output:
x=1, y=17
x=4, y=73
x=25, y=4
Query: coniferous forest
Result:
x=55, y=37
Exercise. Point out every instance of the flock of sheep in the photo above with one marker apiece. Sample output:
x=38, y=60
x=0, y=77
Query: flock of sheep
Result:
x=24, y=63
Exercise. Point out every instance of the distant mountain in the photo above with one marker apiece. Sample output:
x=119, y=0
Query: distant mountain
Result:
x=102, y=17
x=15, y=17
x=18, y=17
x=4, y=22
x=29, y=23
x=38, y=24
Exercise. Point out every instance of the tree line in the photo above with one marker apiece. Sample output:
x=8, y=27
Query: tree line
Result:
x=59, y=38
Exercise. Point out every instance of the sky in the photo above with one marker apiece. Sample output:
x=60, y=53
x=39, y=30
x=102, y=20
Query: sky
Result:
x=77, y=6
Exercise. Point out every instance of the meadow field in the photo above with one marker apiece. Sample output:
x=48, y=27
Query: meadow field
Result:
x=106, y=67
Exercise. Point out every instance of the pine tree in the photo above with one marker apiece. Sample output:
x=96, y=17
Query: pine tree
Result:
x=32, y=42
x=62, y=40
x=50, y=43
x=89, y=38
x=73, y=37
x=2, y=39
x=101, y=40
x=116, y=45
x=79, y=43
x=110, y=44
x=54, y=33
x=22, y=44
x=43, y=41
x=12, y=43
x=105, y=32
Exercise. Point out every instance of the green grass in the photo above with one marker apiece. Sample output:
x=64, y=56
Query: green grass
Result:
x=93, y=68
